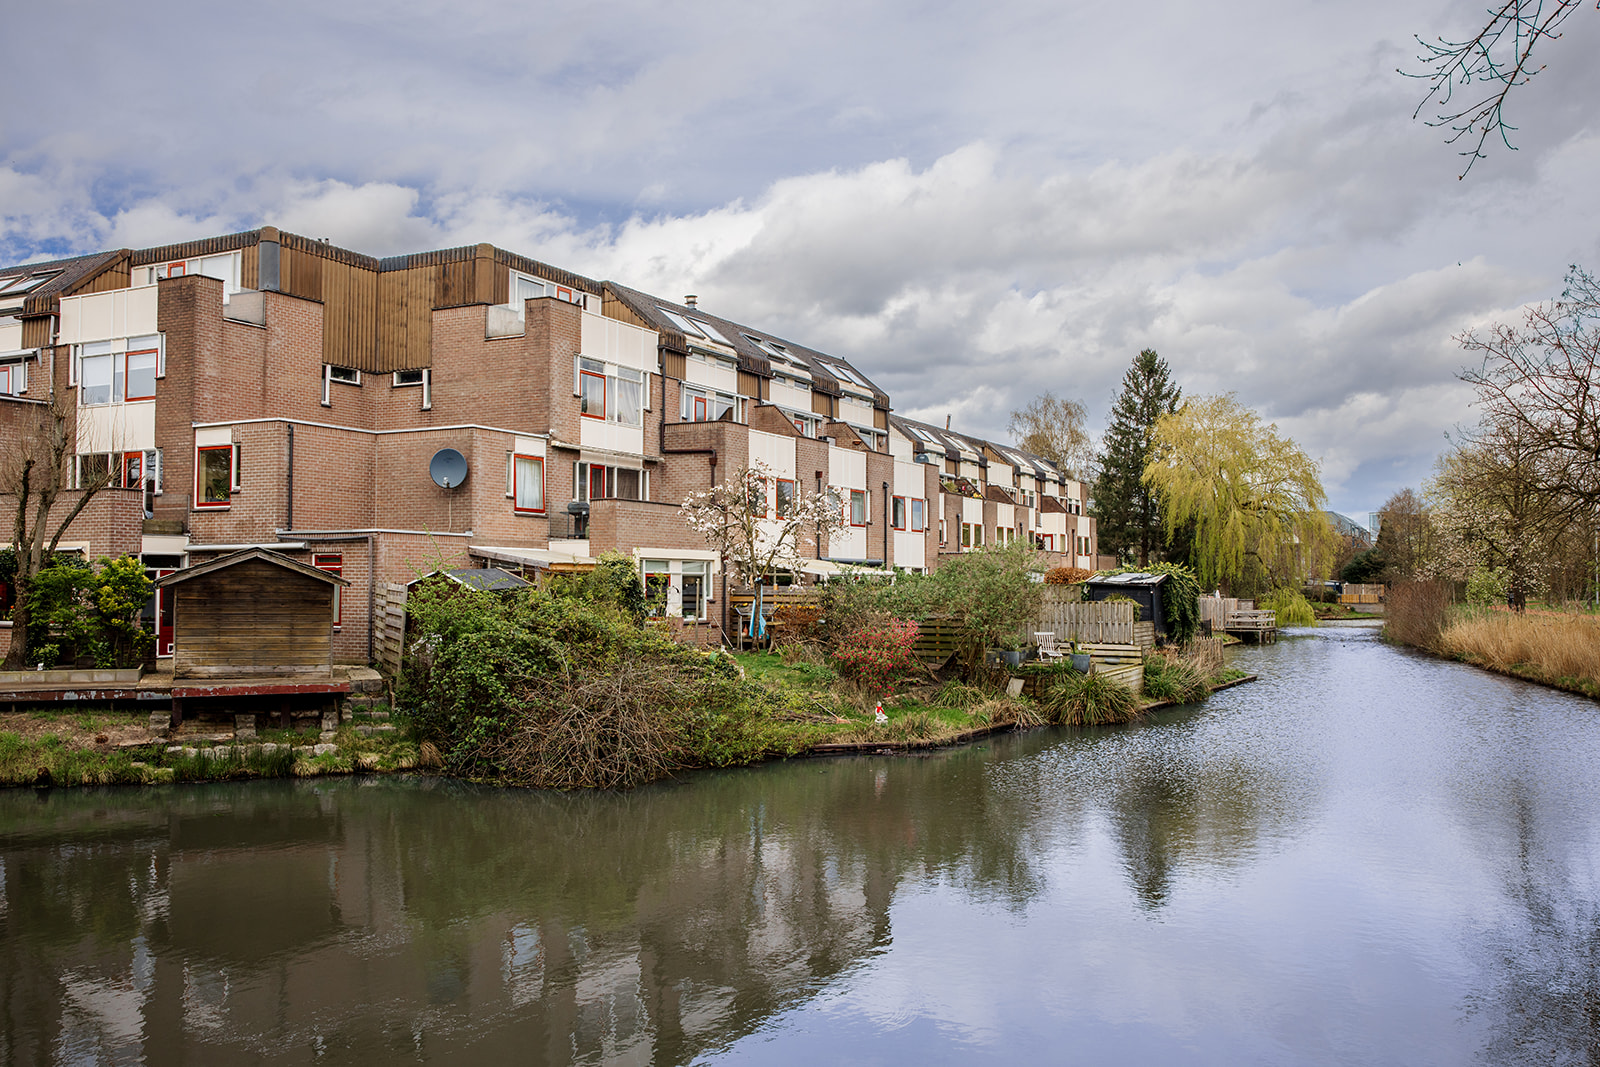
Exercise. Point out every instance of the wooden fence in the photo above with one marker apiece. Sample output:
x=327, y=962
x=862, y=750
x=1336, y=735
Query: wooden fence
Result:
x=1216, y=609
x=391, y=626
x=1361, y=594
x=1102, y=622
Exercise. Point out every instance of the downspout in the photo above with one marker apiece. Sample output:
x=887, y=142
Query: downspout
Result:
x=372, y=585
x=887, y=515
x=288, y=522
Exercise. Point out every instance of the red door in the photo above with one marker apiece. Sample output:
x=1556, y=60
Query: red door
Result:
x=161, y=609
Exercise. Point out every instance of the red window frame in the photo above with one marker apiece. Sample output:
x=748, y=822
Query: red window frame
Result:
x=5, y=380
x=919, y=515
x=543, y=486
x=583, y=394
x=699, y=409
x=596, y=470
x=777, y=498
x=902, y=509
x=178, y=269
x=1049, y=542
x=333, y=563
x=866, y=516
x=126, y=380
x=199, y=471
x=132, y=470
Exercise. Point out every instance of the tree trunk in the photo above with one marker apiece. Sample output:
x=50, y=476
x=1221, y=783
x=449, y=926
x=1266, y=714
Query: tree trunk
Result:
x=15, y=660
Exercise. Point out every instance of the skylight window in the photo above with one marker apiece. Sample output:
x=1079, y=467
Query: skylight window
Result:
x=16, y=285
x=844, y=374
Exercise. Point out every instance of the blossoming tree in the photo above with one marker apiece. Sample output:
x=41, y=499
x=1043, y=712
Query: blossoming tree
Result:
x=758, y=530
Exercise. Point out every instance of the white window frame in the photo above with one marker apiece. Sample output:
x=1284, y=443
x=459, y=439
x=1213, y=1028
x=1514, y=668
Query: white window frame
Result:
x=517, y=505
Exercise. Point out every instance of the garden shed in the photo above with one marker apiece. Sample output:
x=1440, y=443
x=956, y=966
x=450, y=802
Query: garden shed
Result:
x=250, y=613
x=1145, y=590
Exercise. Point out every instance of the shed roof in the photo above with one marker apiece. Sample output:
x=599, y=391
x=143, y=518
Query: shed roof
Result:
x=232, y=559
x=484, y=579
x=1138, y=579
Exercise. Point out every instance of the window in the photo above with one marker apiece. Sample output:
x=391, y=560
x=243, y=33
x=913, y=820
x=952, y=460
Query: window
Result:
x=16, y=285
x=919, y=516
x=966, y=535
x=858, y=507
x=342, y=375
x=707, y=405
x=657, y=582
x=897, y=516
x=758, y=497
x=224, y=267
x=527, y=483
x=214, y=476
x=408, y=377
x=694, y=589
x=525, y=287
x=597, y=482
x=333, y=563
x=843, y=373
x=977, y=534
x=627, y=408
x=139, y=374
x=592, y=388
x=807, y=425
x=95, y=375
x=123, y=470
x=943, y=540
x=422, y=377
x=13, y=378
x=785, y=497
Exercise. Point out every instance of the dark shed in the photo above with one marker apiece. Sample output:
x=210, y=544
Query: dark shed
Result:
x=1143, y=589
x=252, y=613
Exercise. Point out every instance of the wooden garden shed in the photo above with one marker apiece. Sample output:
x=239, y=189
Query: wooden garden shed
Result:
x=253, y=614
x=1144, y=590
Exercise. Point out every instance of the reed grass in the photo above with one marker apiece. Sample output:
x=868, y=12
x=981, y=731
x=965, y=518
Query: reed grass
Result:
x=1090, y=700
x=1547, y=647
x=1417, y=614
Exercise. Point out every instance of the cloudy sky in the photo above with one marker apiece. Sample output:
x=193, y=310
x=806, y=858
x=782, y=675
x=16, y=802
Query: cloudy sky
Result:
x=973, y=203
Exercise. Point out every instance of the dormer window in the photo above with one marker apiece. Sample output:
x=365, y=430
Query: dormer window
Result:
x=20, y=284
x=525, y=287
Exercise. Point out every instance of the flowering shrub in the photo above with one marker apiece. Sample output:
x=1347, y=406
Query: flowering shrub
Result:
x=878, y=653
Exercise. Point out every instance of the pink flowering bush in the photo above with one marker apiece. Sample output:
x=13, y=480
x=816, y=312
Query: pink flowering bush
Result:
x=878, y=653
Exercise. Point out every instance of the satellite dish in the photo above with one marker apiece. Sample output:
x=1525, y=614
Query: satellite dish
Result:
x=448, y=468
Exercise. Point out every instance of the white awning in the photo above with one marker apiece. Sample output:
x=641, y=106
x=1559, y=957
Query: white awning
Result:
x=544, y=558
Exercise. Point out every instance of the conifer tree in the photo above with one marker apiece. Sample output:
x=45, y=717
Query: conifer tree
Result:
x=1127, y=511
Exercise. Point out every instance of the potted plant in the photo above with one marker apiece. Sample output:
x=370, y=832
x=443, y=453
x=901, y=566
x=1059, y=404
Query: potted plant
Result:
x=1081, y=660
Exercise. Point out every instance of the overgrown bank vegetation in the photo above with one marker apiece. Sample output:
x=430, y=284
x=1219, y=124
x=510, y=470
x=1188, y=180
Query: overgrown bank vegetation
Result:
x=1560, y=649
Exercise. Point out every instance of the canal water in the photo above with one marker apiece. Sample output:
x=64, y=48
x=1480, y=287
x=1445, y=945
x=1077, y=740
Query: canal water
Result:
x=1366, y=857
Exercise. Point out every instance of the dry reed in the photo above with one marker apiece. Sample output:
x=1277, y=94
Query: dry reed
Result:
x=1546, y=645
x=1417, y=614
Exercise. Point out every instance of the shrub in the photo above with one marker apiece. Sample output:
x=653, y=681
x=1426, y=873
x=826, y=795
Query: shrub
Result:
x=1090, y=700
x=1067, y=575
x=989, y=594
x=878, y=653
x=1180, y=598
x=1173, y=678
x=1417, y=612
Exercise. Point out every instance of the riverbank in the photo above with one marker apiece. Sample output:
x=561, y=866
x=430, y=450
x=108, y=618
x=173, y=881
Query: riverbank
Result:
x=1560, y=650
x=49, y=747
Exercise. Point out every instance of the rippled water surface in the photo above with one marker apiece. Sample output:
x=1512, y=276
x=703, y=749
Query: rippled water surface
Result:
x=1366, y=857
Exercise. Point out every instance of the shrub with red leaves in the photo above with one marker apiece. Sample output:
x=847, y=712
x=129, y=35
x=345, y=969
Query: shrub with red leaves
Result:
x=878, y=654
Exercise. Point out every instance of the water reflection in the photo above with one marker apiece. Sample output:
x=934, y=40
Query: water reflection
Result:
x=1366, y=857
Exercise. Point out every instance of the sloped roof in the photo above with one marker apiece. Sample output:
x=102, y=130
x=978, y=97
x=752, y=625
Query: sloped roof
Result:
x=483, y=579
x=742, y=339
x=69, y=272
x=1140, y=579
x=244, y=555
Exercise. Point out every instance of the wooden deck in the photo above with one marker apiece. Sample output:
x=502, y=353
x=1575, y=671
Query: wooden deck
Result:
x=1260, y=626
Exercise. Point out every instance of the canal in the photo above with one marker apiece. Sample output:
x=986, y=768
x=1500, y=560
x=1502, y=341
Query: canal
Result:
x=1366, y=857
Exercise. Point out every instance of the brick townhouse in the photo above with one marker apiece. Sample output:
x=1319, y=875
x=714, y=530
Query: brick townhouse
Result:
x=262, y=388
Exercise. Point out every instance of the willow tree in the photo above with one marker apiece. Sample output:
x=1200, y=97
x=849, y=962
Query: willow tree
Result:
x=1254, y=498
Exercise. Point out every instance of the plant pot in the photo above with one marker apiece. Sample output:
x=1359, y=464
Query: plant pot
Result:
x=1081, y=662
x=1013, y=657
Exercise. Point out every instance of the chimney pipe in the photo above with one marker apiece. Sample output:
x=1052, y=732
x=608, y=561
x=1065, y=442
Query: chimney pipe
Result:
x=689, y=301
x=947, y=422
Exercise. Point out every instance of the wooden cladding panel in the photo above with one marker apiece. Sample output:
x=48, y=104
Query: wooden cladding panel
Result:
x=749, y=384
x=405, y=318
x=350, y=316
x=674, y=364
x=821, y=403
x=300, y=273
x=250, y=267
x=880, y=418
x=613, y=307
x=457, y=285
x=36, y=333
x=494, y=280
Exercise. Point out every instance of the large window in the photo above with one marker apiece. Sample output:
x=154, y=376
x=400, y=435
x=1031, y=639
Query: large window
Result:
x=707, y=405
x=215, y=476
x=333, y=563
x=139, y=374
x=527, y=483
x=596, y=481
x=107, y=377
x=694, y=589
x=615, y=394
x=897, y=515
x=785, y=498
x=525, y=287
x=919, y=515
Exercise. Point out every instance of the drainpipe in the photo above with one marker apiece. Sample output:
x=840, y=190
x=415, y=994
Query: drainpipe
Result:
x=887, y=515
x=288, y=522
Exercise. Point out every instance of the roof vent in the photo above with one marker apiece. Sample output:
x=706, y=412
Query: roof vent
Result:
x=689, y=301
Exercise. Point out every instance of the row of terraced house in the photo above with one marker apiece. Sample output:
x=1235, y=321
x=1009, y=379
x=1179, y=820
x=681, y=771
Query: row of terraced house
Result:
x=265, y=389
